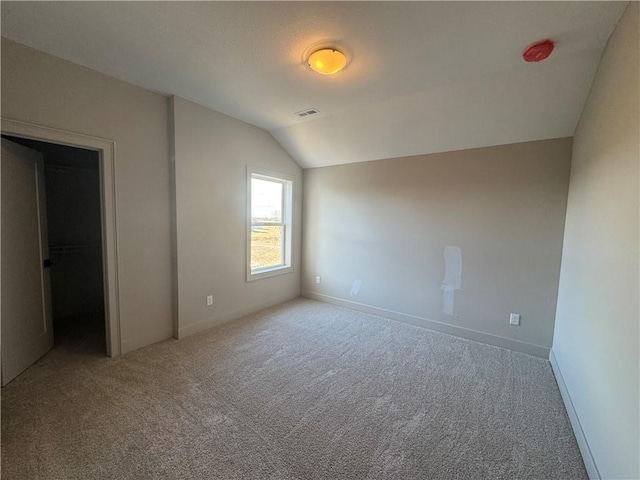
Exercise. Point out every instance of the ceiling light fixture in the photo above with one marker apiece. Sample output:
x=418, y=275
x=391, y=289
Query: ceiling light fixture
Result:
x=327, y=61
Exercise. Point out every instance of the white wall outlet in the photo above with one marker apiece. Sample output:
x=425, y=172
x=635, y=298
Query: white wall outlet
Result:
x=209, y=300
x=514, y=319
x=318, y=279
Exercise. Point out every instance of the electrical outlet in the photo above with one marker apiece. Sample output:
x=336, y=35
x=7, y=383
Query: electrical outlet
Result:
x=209, y=300
x=318, y=279
x=514, y=319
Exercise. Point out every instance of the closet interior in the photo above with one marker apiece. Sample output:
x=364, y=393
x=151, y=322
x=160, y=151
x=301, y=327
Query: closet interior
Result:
x=75, y=263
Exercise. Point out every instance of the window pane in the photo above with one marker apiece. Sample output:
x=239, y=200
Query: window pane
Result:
x=267, y=247
x=266, y=201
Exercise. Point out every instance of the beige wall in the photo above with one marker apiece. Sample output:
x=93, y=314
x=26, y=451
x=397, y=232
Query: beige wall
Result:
x=212, y=152
x=596, y=337
x=386, y=223
x=41, y=89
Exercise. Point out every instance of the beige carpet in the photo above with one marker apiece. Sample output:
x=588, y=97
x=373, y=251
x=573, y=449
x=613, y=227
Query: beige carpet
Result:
x=305, y=390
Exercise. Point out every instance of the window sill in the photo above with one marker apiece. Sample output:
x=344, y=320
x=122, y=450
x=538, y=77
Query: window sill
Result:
x=270, y=272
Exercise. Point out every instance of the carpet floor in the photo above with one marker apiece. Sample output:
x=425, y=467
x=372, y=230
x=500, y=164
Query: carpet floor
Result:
x=304, y=390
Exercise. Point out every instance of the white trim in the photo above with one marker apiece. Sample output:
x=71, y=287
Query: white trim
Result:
x=173, y=205
x=229, y=316
x=288, y=219
x=41, y=202
x=581, y=438
x=134, y=343
x=106, y=151
x=495, y=340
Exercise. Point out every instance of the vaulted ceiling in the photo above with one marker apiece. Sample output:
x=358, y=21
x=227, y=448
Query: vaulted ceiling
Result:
x=422, y=77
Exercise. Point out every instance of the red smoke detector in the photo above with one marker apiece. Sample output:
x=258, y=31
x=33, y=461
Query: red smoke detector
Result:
x=538, y=51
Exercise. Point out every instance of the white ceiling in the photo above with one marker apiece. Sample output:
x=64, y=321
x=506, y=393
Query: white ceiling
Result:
x=422, y=77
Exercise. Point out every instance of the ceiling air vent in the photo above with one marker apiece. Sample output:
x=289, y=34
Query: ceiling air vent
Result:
x=307, y=113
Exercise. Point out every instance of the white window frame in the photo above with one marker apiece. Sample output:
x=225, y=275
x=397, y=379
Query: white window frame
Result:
x=288, y=182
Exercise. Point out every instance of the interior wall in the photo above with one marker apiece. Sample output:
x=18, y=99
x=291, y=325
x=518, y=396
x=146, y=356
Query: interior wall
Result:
x=41, y=89
x=211, y=154
x=595, y=346
x=376, y=233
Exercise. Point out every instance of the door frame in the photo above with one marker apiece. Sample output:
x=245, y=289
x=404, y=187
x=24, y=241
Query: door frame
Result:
x=108, y=211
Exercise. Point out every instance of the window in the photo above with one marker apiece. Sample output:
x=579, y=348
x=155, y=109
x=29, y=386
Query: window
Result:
x=270, y=212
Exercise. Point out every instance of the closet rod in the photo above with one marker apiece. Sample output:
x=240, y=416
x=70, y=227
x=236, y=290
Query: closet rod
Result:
x=68, y=168
x=67, y=248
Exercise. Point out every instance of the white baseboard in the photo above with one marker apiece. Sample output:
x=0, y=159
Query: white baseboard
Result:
x=583, y=444
x=508, y=343
x=229, y=316
x=132, y=344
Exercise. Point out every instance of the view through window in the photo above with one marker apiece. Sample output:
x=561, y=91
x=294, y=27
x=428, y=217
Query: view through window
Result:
x=269, y=242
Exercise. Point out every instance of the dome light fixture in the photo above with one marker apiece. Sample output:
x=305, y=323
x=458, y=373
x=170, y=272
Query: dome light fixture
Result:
x=327, y=61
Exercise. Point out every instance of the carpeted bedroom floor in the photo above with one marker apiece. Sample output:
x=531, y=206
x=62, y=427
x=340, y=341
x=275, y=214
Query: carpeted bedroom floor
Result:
x=304, y=390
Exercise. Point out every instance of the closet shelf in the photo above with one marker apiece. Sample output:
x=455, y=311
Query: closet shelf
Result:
x=53, y=249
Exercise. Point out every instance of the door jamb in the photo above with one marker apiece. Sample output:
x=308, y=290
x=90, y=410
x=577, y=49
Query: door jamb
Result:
x=108, y=211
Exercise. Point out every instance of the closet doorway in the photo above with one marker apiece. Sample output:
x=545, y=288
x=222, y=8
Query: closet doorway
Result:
x=76, y=280
x=74, y=232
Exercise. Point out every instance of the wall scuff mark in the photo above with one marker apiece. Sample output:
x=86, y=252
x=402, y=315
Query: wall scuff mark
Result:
x=355, y=288
x=452, y=277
